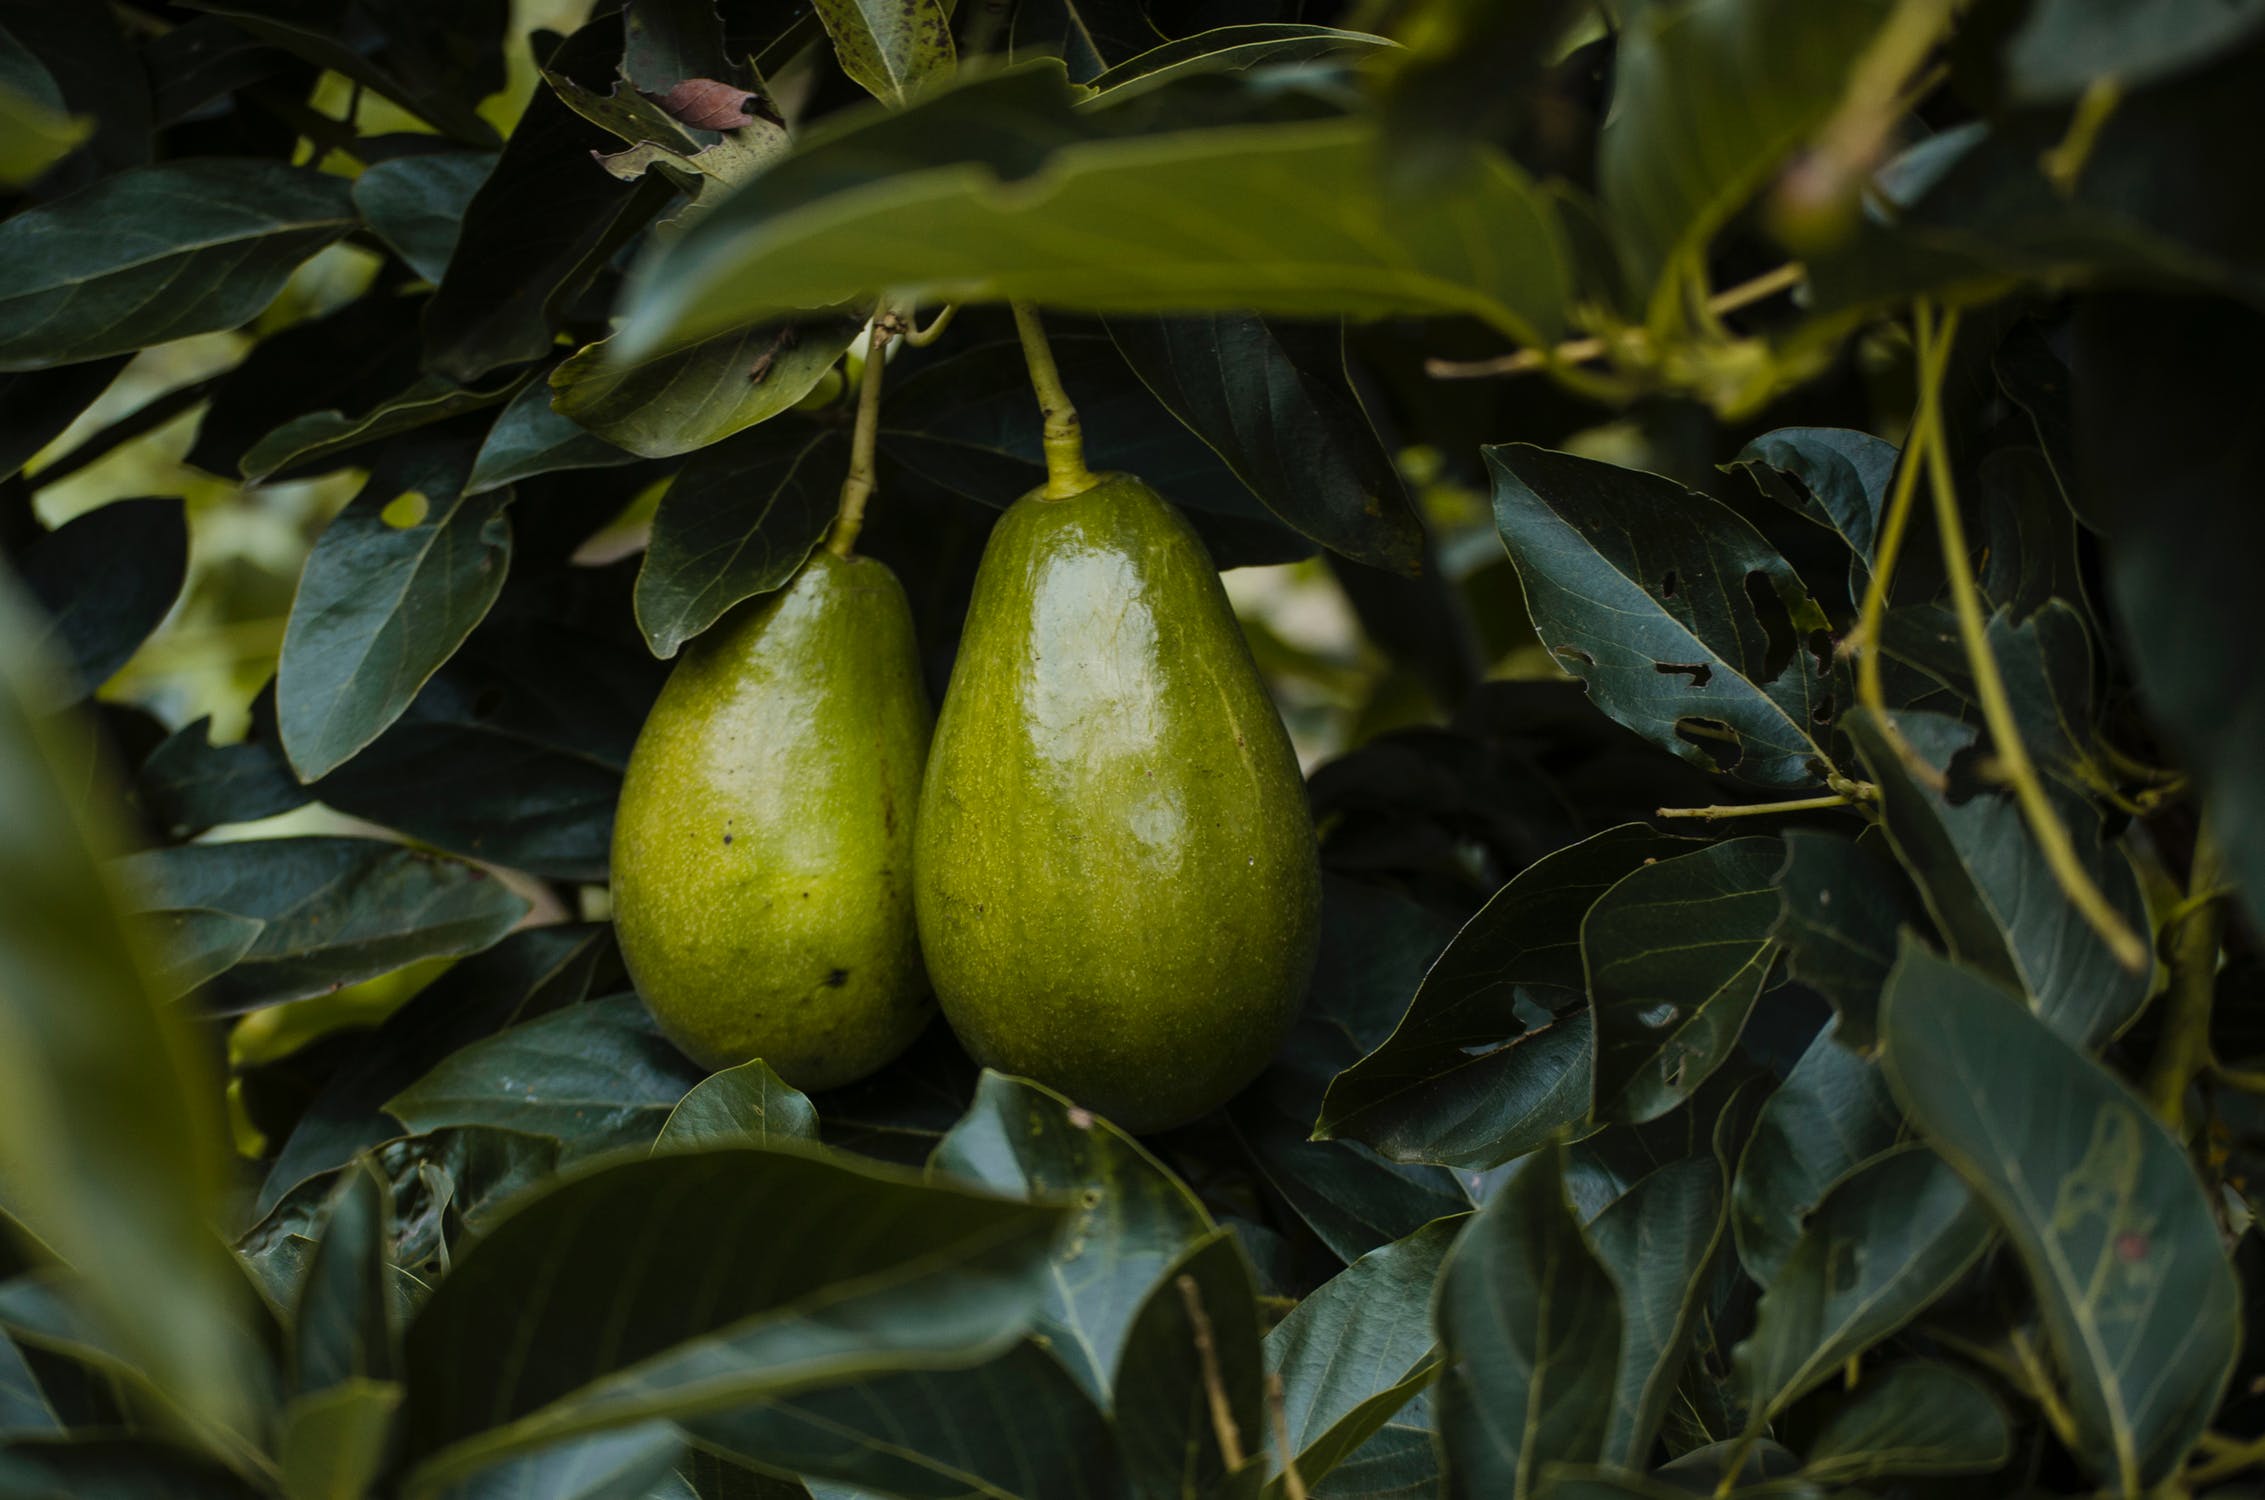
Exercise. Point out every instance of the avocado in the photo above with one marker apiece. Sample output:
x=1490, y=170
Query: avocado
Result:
x=762, y=853
x=1116, y=877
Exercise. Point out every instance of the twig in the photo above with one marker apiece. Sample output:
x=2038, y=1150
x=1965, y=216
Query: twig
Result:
x=1064, y=439
x=921, y=338
x=1579, y=351
x=1756, y=809
x=1293, y=1486
x=1997, y=709
x=2184, y=1051
x=858, y=484
x=1214, y=1386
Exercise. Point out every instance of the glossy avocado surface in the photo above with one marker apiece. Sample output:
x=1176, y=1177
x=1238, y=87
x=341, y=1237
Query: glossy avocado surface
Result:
x=1117, y=882
x=762, y=854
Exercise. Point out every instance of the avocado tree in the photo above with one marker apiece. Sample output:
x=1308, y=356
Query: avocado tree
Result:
x=1746, y=509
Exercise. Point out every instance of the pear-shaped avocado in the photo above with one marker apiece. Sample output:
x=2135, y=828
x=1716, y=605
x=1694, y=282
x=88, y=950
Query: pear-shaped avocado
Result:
x=762, y=855
x=1118, y=888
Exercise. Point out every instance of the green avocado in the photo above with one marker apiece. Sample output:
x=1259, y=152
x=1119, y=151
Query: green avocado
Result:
x=1117, y=883
x=762, y=854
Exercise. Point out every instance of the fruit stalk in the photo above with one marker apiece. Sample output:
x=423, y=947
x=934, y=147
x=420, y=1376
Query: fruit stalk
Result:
x=858, y=484
x=1063, y=438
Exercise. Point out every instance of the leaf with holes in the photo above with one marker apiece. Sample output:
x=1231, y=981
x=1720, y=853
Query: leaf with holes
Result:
x=1685, y=624
x=890, y=47
x=1677, y=954
x=2116, y=1233
x=1834, y=476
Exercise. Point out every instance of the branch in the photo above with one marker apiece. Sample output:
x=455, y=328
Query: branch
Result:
x=2184, y=1051
x=1758, y=809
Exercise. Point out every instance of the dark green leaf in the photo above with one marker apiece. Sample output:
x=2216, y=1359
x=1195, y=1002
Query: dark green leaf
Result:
x=1654, y=596
x=436, y=63
x=37, y=405
x=316, y=437
x=1657, y=1242
x=338, y=910
x=1090, y=36
x=1832, y=1115
x=1400, y=1463
x=596, y=1076
x=24, y=1407
x=742, y=1106
x=188, y=784
x=890, y=47
x=1708, y=103
x=1274, y=399
x=1357, y=1349
x=680, y=1285
x=1464, y=1080
x=416, y=204
x=900, y=1113
x=673, y=402
x=382, y=604
x=76, y=61
x=113, y=1155
x=1469, y=74
x=1836, y=477
x=529, y=438
x=1912, y=1418
x=1294, y=219
x=2097, y=1199
x=105, y=580
x=1525, y=1310
x=1227, y=49
x=1888, y=1240
x=1131, y=1217
x=202, y=61
x=1986, y=882
x=624, y=1464
x=2062, y=46
x=1841, y=904
x=344, y=1328
x=158, y=253
x=1019, y=1427
x=737, y=523
x=115, y=1468
x=351, y=359
x=1163, y=1416
x=2168, y=452
x=1677, y=954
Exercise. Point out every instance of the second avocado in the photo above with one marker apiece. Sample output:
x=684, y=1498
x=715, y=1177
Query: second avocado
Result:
x=1115, y=871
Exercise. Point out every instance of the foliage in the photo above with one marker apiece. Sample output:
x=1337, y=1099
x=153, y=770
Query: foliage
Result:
x=1784, y=476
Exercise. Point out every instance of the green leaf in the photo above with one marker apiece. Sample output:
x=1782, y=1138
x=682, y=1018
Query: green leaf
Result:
x=596, y=1076
x=680, y=1285
x=1292, y=218
x=1657, y=1241
x=1276, y=402
x=332, y=1446
x=382, y=604
x=1709, y=99
x=1225, y=49
x=2062, y=46
x=337, y=910
x=1464, y=1080
x=38, y=406
x=416, y=204
x=1525, y=1310
x=2111, y=1225
x=1018, y=1427
x=627, y=1463
x=92, y=71
x=437, y=64
x=1831, y=1115
x=1677, y=954
x=344, y=1329
x=743, y=1106
x=108, y=1142
x=34, y=135
x=1088, y=35
x=1357, y=1349
x=1912, y=1418
x=24, y=1407
x=1887, y=1241
x=1986, y=882
x=737, y=523
x=1834, y=476
x=158, y=253
x=1401, y=1462
x=106, y=579
x=530, y=438
x=672, y=402
x=1841, y=903
x=1677, y=614
x=1130, y=1220
x=313, y=437
x=890, y=47
x=1163, y=1414
x=115, y=1468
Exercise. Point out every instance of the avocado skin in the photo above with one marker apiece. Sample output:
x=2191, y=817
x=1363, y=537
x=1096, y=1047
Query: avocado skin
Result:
x=1117, y=883
x=762, y=853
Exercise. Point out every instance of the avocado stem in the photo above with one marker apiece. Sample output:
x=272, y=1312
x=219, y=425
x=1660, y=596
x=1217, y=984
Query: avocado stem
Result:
x=859, y=483
x=1063, y=437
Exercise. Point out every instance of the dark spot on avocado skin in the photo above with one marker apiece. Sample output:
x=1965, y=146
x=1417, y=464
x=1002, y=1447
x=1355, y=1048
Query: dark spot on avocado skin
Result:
x=837, y=978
